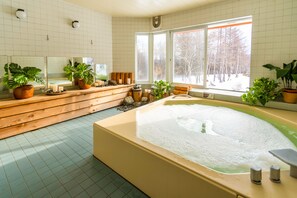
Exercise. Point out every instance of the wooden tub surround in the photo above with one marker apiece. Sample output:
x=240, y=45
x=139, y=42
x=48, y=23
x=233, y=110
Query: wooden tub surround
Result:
x=19, y=116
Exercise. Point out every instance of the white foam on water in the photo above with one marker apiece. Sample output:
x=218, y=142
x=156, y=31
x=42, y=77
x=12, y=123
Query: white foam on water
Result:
x=220, y=138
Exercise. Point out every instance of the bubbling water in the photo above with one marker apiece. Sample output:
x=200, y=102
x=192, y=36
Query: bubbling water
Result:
x=220, y=138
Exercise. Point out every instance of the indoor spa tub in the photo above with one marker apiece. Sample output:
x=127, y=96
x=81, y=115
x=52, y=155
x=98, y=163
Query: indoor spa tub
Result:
x=179, y=147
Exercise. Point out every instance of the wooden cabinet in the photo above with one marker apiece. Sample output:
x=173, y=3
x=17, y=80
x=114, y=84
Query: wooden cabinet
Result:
x=19, y=116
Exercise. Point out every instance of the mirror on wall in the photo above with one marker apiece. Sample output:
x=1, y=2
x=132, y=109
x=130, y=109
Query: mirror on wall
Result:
x=27, y=61
x=101, y=72
x=52, y=70
x=86, y=60
x=3, y=61
x=55, y=72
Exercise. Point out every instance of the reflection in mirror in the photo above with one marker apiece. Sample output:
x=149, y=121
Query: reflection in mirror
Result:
x=86, y=60
x=27, y=61
x=55, y=72
x=3, y=61
x=101, y=72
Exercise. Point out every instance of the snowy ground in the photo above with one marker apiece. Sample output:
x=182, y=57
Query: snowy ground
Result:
x=240, y=83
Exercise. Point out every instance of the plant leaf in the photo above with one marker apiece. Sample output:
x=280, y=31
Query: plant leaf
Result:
x=294, y=77
x=271, y=67
x=281, y=73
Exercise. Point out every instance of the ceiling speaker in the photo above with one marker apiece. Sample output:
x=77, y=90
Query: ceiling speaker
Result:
x=156, y=22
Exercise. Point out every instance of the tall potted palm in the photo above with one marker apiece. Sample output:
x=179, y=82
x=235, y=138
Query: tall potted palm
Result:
x=288, y=74
x=18, y=78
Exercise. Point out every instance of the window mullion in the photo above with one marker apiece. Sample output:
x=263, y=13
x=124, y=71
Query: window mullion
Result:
x=168, y=57
x=151, y=57
x=205, y=57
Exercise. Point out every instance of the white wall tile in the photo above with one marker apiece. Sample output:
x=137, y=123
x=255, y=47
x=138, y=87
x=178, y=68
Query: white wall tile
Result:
x=274, y=34
x=123, y=34
x=28, y=37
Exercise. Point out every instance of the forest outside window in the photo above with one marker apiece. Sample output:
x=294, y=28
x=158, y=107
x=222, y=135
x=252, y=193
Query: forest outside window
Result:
x=229, y=55
x=159, y=59
x=142, y=57
x=215, y=56
x=188, y=56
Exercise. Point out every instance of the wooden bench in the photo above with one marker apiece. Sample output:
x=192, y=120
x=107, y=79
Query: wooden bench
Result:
x=19, y=116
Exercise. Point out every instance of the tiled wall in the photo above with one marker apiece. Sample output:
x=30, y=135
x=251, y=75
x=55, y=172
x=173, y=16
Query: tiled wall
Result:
x=28, y=37
x=274, y=31
x=123, y=46
x=274, y=37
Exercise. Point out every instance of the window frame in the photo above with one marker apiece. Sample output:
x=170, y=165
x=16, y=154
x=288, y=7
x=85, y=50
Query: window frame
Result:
x=232, y=22
x=169, y=50
x=167, y=54
x=149, y=58
x=205, y=54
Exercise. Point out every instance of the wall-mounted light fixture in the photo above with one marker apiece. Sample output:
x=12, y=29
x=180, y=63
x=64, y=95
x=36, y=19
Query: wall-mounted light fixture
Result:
x=20, y=14
x=75, y=24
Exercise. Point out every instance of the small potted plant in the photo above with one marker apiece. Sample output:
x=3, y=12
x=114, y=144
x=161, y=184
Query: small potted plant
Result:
x=69, y=69
x=161, y=89
x=82, y=72
x=288, y=74
x=263, y=90
x=17, y=78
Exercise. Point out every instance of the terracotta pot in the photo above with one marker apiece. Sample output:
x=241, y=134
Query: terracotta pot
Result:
x=82, y=84
x=290, y=96
x=23, y=92
x=137, y=94
x=75, y=81
x=130, y=93
x=151, y=98
x=291, y=90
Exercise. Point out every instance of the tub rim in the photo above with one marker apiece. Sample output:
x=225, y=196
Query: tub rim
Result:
x=228, y=181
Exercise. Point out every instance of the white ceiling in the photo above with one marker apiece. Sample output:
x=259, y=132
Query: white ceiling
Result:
x=141, y=8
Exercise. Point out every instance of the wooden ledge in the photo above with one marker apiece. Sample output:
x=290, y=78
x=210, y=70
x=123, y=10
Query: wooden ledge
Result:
x=9, y=102
x=19, y=116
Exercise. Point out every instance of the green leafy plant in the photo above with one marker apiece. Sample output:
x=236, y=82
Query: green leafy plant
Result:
x=288, y=73
x=16, y=76
x=161, y=88
x=85, y=73
x=69, y=69
x=80, y=71
x=263, y=90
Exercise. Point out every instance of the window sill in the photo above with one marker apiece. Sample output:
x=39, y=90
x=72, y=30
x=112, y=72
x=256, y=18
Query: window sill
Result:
x=232, y=96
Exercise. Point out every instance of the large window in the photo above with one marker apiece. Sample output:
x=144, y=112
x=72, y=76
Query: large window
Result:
x=142, y=57
x=188, y=56
x=159, y=59
x=211, y=56
x=229, y=51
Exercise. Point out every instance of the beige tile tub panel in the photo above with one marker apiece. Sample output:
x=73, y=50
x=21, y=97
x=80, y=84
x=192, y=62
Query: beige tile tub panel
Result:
x=155, y=176
x=159, y=172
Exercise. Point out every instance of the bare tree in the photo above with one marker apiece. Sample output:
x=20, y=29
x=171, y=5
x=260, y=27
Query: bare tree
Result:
x=188, y=55
x=227, y=53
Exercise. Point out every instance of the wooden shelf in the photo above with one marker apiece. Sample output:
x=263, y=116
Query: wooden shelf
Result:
x=19, y=116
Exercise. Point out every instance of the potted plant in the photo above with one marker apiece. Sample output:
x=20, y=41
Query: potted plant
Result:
x=288, y=74
x=69, y=69
x=263, y=90
x=17, y=78
x=161, y=89
x=82, y=72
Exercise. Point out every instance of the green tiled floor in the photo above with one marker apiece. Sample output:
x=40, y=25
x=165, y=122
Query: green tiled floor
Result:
x=57, y=161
